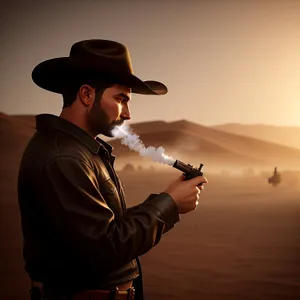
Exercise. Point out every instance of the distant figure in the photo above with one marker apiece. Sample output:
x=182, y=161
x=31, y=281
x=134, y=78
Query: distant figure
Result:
x=275, y=179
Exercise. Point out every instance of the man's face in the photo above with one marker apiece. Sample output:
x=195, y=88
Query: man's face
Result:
x=110, y=110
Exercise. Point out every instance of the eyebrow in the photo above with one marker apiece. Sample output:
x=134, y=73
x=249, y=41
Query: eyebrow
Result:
x=124, y=96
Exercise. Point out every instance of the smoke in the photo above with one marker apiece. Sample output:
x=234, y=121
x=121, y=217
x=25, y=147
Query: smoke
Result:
x=133, y=141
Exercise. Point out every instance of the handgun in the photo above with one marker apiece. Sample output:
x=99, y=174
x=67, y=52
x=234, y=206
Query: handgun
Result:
x=188, y=170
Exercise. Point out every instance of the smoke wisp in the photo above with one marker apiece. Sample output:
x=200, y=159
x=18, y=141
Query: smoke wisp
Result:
x=133, y=141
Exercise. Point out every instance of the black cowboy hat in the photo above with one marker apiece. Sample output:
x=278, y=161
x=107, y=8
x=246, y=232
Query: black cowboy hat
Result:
x=95, y=58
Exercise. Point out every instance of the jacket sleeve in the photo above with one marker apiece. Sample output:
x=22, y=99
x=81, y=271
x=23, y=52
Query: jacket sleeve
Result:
x=163, y=202
x=77, y=209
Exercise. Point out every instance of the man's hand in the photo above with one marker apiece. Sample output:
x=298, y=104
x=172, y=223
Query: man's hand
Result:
x=186, y=192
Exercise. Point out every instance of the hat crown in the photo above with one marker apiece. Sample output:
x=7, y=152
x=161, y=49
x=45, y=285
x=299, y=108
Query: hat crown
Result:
x=109, y=55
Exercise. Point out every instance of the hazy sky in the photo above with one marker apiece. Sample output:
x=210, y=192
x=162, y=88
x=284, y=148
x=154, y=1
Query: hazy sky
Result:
x=223, y=61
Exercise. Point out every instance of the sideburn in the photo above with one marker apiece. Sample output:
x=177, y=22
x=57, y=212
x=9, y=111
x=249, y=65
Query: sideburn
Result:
x=98, y=119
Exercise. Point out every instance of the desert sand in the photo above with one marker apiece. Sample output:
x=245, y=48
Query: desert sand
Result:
x=242, y=241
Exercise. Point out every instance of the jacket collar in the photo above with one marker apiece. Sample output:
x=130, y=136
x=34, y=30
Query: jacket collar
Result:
x=48, y=121
x=107, y=146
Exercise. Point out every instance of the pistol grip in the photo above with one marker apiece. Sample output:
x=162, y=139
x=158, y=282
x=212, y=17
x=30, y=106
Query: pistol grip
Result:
x=188, y=177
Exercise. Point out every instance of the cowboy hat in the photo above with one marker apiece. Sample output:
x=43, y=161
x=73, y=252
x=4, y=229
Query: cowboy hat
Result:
x=95, y=58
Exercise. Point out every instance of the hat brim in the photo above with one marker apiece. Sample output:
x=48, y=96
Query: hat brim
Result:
x=53, y=74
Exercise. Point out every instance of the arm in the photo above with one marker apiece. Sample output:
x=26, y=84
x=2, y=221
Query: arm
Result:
x=79, y=212
x=161, y=199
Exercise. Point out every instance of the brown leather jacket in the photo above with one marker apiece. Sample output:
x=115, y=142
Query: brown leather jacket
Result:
x=78, y=233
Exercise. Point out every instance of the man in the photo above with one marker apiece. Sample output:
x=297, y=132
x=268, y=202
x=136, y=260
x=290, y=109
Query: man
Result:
x=80, y=240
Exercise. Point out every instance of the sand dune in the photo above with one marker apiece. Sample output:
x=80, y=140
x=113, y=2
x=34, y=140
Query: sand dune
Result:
x=188, y=147
x=252, y=147
x=187, y=137
x=14, y=136
x=219, y=149
x=285, y=135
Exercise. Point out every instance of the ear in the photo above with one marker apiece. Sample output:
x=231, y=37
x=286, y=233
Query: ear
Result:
x=86, y=95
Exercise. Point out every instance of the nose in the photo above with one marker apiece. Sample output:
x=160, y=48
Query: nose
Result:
x=125, y=114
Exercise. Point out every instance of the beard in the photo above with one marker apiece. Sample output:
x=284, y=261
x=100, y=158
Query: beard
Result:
x=99, y=122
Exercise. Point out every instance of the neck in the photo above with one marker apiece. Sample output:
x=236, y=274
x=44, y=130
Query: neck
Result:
x=77, y=118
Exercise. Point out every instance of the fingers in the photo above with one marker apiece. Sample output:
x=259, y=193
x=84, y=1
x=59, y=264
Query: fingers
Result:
x=197, y=194
x=197, y=201
x=200, y=187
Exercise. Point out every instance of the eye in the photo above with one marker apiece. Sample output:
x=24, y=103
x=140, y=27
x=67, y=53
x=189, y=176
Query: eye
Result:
x=119, y=99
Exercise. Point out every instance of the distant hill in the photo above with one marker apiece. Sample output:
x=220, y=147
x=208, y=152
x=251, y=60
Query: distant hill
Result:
x=188, y=147
x=183, y=140
x=14, y=135
x=190, y=140
x=288, y=136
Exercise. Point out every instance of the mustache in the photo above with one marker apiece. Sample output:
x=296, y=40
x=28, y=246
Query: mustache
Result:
x=118, y=122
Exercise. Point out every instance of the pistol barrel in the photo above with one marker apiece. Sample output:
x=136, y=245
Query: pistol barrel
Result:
x=187, y=169
x=181, y=166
